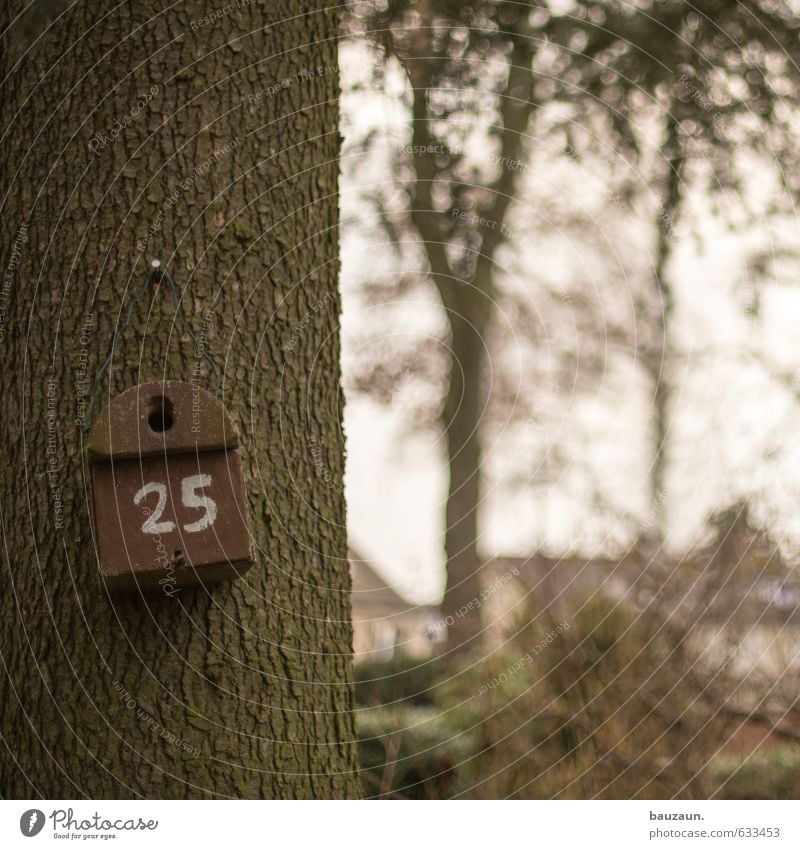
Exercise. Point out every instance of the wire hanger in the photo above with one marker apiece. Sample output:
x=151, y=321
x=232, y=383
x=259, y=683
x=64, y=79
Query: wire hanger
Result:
x=155, y=277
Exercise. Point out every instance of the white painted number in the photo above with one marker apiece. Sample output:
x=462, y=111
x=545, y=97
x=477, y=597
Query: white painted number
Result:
x=152, y=525
x=189, y=498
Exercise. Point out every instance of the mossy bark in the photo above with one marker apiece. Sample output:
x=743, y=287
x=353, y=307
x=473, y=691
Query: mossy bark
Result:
x=139, y=131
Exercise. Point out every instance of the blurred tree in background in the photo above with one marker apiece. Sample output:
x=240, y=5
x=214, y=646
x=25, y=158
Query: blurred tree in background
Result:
x=666, y=98
x=664, y=115
x=470, y=83
x=681, y=90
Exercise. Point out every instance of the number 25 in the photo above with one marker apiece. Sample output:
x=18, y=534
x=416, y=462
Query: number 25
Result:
x=189, y=498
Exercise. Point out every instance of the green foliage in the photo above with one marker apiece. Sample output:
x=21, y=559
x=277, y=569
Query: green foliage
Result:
x=399, y=680
x=407, y=752
x=603, y=711
x=769, y=774
x=602, y=708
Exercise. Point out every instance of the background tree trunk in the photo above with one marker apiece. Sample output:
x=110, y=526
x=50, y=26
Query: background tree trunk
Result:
x=467, y=294
x=464, y=409
x=658, y=354
x=228, y=173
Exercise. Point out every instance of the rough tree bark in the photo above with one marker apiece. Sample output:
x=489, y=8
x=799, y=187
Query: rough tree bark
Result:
x=213, y=145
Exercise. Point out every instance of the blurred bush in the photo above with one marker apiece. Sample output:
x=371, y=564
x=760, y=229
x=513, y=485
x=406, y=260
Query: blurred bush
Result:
x=772, y=773
x=610, y=705
x=401, y=679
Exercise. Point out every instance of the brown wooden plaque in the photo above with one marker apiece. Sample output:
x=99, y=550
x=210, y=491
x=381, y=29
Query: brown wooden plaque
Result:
x=169, y=496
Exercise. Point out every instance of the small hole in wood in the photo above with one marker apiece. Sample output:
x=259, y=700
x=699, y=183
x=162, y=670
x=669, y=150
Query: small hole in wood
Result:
x=159, y=414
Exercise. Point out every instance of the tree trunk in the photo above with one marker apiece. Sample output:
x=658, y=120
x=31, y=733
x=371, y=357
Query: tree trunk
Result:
x=658, y=354
x=468, y=303
x=213, y=145
x=463, y=414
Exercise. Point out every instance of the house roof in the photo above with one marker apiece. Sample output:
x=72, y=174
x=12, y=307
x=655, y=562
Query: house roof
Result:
x=739, y=577
x=372, y=597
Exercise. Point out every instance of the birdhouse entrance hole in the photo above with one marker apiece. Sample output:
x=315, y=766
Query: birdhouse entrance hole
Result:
x=160, y=414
